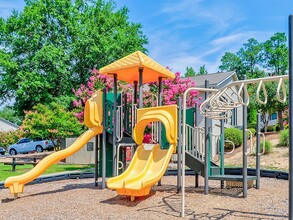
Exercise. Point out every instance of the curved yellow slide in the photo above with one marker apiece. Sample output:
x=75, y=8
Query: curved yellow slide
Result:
x=16, y=183
x=137, y=181
x=135, y=167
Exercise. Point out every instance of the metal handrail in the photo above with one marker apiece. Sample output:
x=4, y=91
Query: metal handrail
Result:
x=194, y=141
x=119, y=127
x=251, y=143
x=118, y=154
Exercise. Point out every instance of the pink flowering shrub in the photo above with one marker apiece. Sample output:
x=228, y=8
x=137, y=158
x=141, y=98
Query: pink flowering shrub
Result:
x=172, y=89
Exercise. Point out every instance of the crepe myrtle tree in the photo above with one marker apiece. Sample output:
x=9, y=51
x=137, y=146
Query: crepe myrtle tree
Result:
x=172, y=89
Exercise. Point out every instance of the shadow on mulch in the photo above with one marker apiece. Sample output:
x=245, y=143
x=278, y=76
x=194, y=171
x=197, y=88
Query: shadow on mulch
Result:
x=233, y=192
x=125, y=200
x=65, y=188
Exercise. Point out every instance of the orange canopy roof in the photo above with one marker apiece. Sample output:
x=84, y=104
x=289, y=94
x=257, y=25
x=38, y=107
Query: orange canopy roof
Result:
x=127, y=68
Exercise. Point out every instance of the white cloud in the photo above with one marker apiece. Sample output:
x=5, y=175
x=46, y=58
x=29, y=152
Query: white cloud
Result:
x=209, y=14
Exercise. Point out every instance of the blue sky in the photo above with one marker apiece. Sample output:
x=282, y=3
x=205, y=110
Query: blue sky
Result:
x=198, y=32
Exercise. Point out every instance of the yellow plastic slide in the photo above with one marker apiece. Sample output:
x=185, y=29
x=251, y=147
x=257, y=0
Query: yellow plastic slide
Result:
x=147, y=168
x=16, y=183
x=135, y=167
x=141, y=183
x=93, y=118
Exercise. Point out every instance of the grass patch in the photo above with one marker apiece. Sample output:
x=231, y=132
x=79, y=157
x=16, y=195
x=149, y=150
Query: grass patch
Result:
x=5, y=170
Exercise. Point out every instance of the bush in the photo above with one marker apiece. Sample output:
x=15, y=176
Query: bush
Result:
x=10, y=137
x=253, y=131
x=268, y=147
x=284, y=138
x=234, y=135
x=270, y=128
x=277, y=127
x=251, y=125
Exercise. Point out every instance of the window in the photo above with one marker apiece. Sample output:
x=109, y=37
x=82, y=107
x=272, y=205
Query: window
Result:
x=274, y=116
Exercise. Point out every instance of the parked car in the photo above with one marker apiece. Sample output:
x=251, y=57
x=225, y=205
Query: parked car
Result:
x=26, y=145
x=2, y=151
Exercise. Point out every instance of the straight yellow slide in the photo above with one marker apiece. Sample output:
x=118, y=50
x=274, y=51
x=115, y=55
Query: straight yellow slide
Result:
x=16, y=183
x=138, y=180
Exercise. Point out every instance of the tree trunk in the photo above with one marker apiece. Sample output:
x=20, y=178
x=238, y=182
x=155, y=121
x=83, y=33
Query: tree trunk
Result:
x=280, y=118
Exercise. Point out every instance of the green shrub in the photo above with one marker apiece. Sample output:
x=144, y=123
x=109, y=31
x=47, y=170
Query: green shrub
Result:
x=268, y=147
x=234, y=135
x=277, y=127
x=270, y=128
x=251, y=125
x=253, y=131
x=10, y=137
x=284, y=137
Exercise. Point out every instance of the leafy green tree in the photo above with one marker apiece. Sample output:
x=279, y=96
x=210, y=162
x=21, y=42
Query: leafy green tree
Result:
x=202, y=70
x=52, y=45
x=232, y=62
x=250, y=56
x=51, y=122
x=189, y=72
x=275, y=59
x=275, y=54
x=9, y=114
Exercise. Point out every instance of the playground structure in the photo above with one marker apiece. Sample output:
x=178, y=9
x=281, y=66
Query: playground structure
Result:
x=148, y=166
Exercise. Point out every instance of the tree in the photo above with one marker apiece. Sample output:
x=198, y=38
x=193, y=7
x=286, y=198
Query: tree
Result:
x=52, y=45
x=9, y=114
x=202, y=70
x=250, y=56
x=172, y=89
x=51, y=122
x=275, y=54
x=189, y=72
x=275, y=59
x=232, y=62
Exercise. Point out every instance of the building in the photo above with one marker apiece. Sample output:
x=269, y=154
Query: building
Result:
x=7, y=125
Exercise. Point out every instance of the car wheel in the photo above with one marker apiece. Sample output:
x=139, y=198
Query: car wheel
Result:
x=12, y=152
x=2, y=153
x=39, y=149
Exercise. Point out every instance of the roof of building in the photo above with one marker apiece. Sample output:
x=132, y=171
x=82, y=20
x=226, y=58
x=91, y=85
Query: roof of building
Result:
x=9, y=123
x=215, y=79
x=127, y=68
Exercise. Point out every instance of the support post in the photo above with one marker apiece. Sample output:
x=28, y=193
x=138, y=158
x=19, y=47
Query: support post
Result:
x=114, y=126
x=97, y=148
x=140, y=87
x=257, y=150
x=196, y=115
x=179, y=145
x=160, y=124
x=105, y=112
x=126, y=123
x=195, y=124
x=222, y=153
x=135, y=92
x=244, y=158
x=159, y=104
x=290, y=116
x=206, y=121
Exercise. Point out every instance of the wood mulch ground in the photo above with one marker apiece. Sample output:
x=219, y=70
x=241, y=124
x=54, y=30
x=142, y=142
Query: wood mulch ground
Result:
x=278, y=159
x=79, y=199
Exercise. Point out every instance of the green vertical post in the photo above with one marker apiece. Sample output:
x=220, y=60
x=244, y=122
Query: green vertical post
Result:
x=222, y=153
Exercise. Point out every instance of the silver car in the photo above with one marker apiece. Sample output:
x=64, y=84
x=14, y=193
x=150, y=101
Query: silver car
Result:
x=27, y=145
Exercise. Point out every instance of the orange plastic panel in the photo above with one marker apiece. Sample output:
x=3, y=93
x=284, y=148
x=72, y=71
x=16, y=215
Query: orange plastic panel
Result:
x=127, y=69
